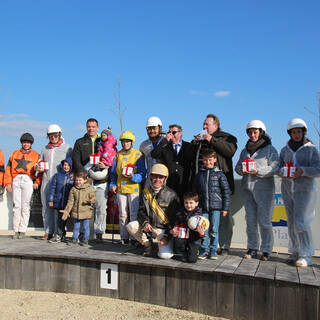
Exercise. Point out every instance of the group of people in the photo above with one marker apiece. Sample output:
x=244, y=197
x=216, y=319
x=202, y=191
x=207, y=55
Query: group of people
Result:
x=171, y=190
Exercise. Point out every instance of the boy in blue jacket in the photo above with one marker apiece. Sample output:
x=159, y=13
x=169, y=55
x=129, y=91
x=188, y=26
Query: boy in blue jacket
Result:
x=61, y=184
x=213, y=189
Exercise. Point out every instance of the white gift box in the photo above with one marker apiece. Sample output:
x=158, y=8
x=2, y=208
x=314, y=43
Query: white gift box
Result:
x=43, y=165
x=289, y=171
x=249, y=165
x=94, y=159
x=127, y=170
x=182, y=232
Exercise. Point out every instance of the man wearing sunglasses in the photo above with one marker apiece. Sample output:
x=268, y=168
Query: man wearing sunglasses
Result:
x=177, y=156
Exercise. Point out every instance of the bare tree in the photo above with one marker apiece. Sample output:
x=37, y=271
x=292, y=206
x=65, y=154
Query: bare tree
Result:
x=317, y=128
x=119, y=110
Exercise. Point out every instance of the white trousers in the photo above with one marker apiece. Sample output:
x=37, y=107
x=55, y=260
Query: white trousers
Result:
x=128, y=207
x=165, y=252
x=22, y=189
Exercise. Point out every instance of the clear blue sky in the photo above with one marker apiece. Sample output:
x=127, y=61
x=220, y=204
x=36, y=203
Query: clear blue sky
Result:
x=179, y=60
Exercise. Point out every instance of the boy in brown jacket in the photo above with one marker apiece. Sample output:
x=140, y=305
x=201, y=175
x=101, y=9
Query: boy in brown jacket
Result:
x=80, y=204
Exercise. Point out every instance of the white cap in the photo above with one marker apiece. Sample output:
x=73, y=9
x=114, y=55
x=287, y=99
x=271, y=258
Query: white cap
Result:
x=258, y=124
x=296, y=123
x=53, y=128
x=153, y=122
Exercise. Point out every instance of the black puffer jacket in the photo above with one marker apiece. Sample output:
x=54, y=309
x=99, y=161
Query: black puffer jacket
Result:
x=169, y=203
x=213, y=188
x=82, y=150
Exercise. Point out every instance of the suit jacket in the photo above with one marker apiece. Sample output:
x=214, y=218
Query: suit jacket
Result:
x=179, y=166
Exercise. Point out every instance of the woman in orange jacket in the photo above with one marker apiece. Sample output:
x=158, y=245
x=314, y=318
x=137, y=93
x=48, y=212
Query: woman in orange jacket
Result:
x=20, y=179
x=1, y=172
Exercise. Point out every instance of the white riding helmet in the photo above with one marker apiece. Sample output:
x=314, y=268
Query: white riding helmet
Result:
x=53, y=128
x=258, y=124
x=296, y=123
x=153, y=122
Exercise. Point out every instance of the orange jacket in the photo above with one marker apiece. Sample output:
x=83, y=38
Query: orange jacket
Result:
x=22, y=163
x=1, y=167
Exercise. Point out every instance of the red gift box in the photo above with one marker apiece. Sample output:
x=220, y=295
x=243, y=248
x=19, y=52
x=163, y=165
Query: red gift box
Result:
x=44, y=165
x=248, y=165
x=94, y=158
x=289, y=170
x=182, y=232
x=128, y=170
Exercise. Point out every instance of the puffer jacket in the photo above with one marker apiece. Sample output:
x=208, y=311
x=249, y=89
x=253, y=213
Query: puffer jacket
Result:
x=182, y=217
x=169, y=202
x=60, y=187
x=80, y=202
x=213, y=189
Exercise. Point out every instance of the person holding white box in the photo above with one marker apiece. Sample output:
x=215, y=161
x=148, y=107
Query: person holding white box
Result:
x=257, y=188
x=299, y=191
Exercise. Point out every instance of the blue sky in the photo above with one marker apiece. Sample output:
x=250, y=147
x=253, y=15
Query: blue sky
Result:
x=179, y=60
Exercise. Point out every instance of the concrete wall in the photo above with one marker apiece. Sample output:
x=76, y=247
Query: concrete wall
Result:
x=237, y=210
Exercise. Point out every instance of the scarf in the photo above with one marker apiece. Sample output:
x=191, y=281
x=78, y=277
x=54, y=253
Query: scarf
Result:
x=294, y=146
x=252, y=147
x=54, y=145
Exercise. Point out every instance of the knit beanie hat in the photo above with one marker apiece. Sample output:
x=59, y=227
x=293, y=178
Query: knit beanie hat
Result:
x=107, y=132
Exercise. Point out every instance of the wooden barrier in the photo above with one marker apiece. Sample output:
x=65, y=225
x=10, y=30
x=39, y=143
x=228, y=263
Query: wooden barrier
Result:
x=229, y=287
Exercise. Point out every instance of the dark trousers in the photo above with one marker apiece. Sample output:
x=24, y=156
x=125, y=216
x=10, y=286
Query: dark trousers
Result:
x=187, y=248
x=60, y=225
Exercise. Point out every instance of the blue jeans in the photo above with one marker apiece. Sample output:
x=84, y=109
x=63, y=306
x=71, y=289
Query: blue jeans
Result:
x=85, y=227
x=211, y=237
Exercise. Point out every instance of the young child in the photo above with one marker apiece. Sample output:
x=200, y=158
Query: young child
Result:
x=107, y=149
x=20, y=179
x=213, y=188
x=299, y=191
x=60, y=187
x=186, y=241
x=80, y=204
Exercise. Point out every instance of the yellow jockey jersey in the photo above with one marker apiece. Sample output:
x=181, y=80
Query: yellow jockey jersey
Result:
x=125, y=185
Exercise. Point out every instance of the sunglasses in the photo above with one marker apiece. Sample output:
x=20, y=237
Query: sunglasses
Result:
x=173, y=132
x=54, y=135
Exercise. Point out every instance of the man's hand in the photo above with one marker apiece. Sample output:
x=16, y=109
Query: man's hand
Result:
x=224, y=213
x=147, y=228
x=298, y=173
x=163, y=241
x=50, y=204
x=35, y=186
x=174, y=231
x=113, y=189
x=207, y=137
x=9, y=188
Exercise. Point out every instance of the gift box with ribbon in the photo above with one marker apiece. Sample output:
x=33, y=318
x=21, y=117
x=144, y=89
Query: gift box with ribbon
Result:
x=289, y=170
x=182, y=232
x=94, y=158
x=128, y=170
x=43, y=165
x=248, y=165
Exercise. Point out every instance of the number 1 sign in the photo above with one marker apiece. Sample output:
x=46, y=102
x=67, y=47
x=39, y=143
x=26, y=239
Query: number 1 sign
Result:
x=109, y=276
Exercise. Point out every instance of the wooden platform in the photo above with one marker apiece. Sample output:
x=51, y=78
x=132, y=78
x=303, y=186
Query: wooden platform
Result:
x=230, y=287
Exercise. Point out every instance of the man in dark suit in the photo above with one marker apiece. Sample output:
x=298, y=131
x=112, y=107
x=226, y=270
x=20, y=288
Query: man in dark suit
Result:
x=177, y=156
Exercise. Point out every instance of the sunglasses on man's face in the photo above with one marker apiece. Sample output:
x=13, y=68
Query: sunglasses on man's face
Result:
x=173, y=132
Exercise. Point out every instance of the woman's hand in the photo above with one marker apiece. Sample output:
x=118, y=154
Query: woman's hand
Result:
x=9, y=188
x=298, y=173
x=35, y=186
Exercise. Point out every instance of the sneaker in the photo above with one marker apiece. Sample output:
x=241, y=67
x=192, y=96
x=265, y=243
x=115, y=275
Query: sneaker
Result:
x=73, y=242
x=55, y=239
x=203, y=255
x=98, y=238
x=84, y=243
x=251, y=254
x=21, y=235
x=213, y=256
x=224, y=252
x=265, y=256
x=15, y=236
x=303, y=262
x=293, y=257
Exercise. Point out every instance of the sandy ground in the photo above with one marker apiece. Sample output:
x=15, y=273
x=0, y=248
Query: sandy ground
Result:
x=18, y=304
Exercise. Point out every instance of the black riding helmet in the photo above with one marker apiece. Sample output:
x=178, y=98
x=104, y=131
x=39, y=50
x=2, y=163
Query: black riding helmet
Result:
x=27, y=137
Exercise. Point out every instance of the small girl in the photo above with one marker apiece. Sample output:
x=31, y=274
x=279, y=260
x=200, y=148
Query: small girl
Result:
x=107, y=149
x=60, y=187
x=80, y=204
x=20, y=179
x=299, y=191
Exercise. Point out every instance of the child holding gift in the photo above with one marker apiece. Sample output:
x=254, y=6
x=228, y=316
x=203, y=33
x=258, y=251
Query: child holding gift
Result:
x=107, y=148
x=186, y=241
x=299, y=191
x=60, y=187
x=257, y=187
x=127, y=171
x=80, y=204
x=213, y=188
x=20, y=179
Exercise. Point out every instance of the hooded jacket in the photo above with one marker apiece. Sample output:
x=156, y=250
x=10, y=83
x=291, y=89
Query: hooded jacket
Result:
x=80, y=202
x=60, y=186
